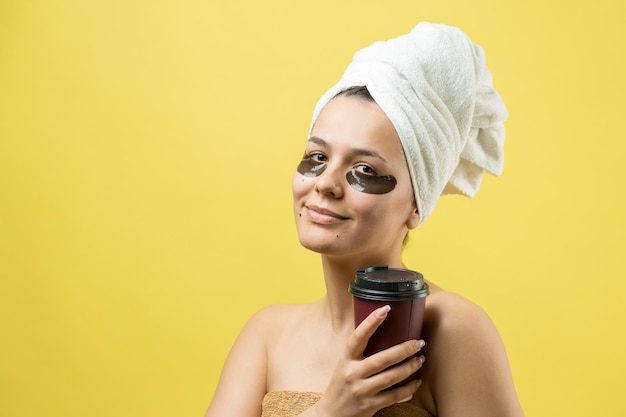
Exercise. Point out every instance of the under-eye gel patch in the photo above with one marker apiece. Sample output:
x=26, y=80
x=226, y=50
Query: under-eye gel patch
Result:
x=370, y=184
x=311, y=168
x=365, y=183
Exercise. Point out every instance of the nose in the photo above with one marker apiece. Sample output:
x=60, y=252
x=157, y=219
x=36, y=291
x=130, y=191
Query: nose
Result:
x=329, y=183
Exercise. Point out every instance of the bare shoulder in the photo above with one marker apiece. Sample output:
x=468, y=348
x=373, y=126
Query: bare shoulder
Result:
x=243, y=382
x=282, y=312
x=461, y=339
x=468, y=371
x=265, y=318
x=277, y=318
x=267, y=327
x=455, y=317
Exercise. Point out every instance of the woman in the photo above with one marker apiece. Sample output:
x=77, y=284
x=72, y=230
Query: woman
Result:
x=411, y=118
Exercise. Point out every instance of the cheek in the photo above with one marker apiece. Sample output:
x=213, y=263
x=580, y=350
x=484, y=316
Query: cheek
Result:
x=391, y=210
x=299, y=185
x=371, y=208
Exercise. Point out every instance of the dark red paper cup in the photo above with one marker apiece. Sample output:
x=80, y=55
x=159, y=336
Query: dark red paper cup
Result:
x=404, y=291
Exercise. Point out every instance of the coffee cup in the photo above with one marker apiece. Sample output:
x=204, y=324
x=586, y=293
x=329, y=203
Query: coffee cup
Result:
x=404, y=291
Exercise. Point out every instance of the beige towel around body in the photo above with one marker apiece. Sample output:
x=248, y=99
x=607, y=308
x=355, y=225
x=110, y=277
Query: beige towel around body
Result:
x=434, y=86
x=292, y=403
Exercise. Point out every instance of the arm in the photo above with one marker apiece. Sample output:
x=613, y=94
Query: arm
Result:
x=241, y=387
x=471, y=373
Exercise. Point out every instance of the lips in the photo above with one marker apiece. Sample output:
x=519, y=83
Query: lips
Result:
x=323, y=216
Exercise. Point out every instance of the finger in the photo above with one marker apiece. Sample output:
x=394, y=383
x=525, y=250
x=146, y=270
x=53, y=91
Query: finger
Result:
x=400, y=394
x=391, y=356
x=361, y=335
x=395, y=374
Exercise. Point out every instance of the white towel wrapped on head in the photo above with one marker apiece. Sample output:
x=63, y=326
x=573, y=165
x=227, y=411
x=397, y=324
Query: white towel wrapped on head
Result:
x=435, y=88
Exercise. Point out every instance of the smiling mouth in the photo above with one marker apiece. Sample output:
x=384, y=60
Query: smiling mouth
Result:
x=323, y=216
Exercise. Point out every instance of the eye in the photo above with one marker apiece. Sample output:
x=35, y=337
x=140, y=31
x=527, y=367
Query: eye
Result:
x=317, y=157
x=313, y=164
x=366, y=169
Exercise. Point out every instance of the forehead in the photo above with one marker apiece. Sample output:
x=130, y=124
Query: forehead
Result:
x=354, y=122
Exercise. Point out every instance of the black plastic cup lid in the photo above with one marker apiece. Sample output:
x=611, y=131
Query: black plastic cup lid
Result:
x=380, y=283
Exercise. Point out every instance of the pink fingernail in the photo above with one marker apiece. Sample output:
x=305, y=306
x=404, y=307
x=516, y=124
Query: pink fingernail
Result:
x=382, y=312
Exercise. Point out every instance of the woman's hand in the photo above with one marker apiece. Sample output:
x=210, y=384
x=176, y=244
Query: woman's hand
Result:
x=357, y=384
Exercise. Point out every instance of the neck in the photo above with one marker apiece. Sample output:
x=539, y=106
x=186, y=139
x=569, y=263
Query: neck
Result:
x=338, y=273
x=337, y=276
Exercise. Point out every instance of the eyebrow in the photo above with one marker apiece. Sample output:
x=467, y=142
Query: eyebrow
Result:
x=354, y=151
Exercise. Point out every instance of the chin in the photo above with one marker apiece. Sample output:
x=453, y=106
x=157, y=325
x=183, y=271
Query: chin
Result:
x=324, y=242
x=318, y=245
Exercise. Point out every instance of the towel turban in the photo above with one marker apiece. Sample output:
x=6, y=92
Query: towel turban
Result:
x=434, y=86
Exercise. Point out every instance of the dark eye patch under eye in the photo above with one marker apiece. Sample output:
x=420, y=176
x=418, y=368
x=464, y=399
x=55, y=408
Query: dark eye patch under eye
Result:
x=311, y=168
x=371, y=184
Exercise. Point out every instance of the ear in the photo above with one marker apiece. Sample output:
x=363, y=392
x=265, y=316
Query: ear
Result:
x=413, y=220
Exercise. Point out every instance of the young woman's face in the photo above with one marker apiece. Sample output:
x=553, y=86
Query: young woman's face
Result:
x=352, y=190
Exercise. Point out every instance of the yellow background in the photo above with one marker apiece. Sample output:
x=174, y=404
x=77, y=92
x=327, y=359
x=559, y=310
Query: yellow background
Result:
x=146, y=154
